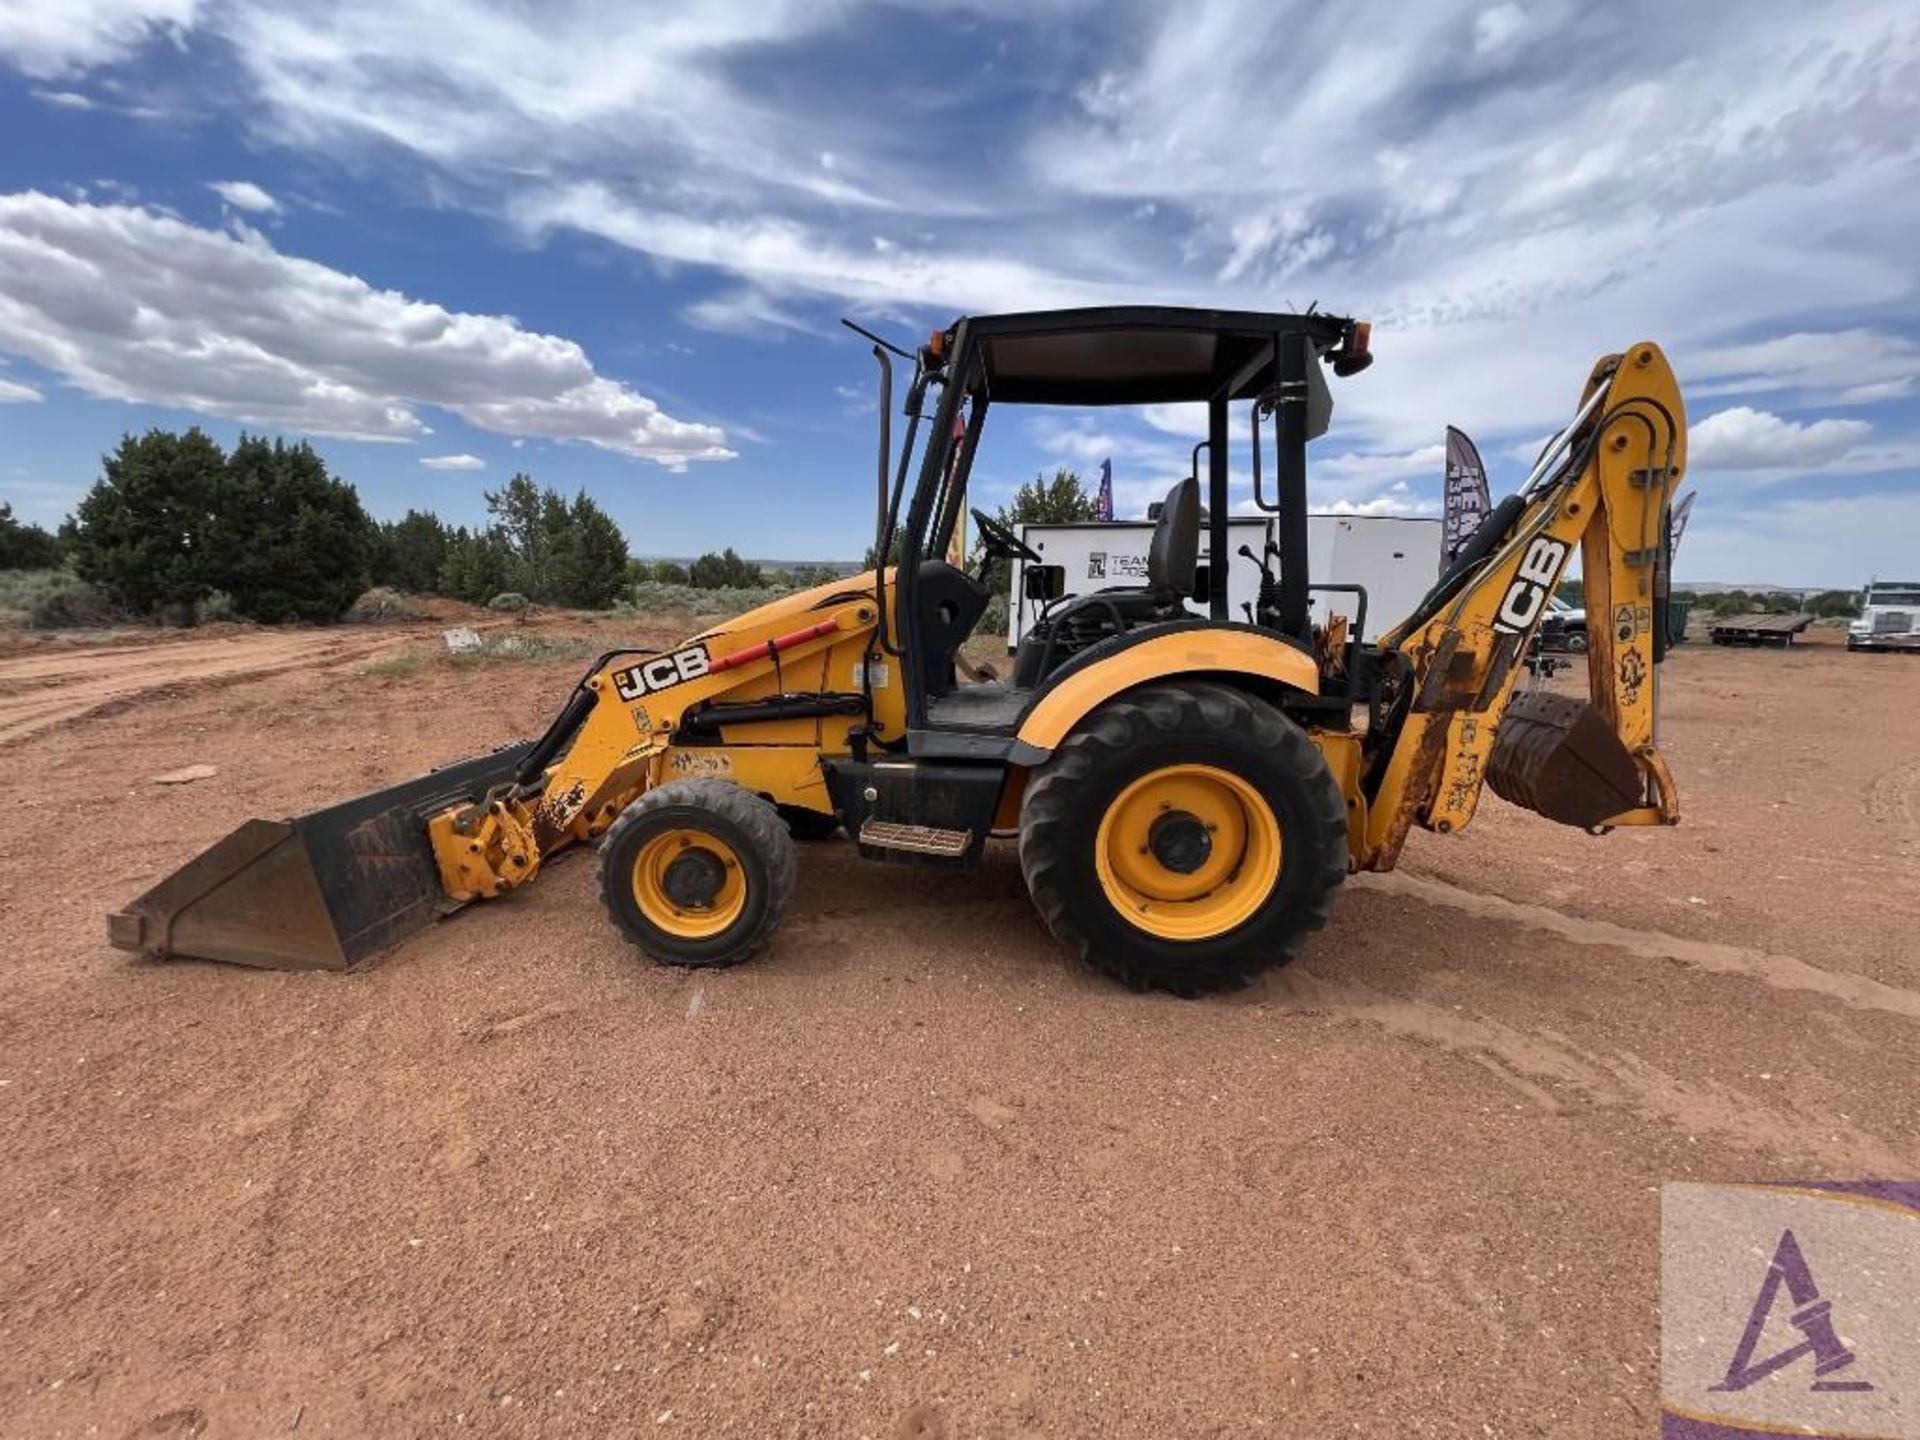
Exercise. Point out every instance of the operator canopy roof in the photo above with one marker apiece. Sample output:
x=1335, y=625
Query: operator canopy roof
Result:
x=1143, y=355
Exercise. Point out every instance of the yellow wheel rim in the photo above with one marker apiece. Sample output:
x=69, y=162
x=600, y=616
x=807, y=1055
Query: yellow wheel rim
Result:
x=1188, y=852
x=689, y=883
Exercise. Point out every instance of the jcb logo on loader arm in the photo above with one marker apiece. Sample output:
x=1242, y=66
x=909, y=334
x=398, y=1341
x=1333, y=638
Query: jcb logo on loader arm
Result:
x=661, y=673
x=1528, y=593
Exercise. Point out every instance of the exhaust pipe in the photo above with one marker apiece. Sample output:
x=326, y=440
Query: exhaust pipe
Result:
x=318, y=892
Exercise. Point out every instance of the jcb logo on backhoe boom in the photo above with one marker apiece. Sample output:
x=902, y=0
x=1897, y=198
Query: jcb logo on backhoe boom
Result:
x=1539, y=568
x=661, y=673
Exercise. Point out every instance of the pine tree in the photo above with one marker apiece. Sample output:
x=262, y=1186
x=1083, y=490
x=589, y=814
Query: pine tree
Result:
x=140, y=534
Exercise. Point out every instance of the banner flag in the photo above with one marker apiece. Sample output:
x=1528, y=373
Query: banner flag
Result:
x=1466, y=496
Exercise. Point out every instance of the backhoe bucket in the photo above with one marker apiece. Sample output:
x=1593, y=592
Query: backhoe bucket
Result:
x=317, y=892
x=1559, y=757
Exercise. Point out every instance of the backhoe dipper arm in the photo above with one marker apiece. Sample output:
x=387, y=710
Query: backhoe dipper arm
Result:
x=1606, y=484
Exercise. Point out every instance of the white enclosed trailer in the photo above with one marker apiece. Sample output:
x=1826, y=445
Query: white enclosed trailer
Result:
x=1396, y=558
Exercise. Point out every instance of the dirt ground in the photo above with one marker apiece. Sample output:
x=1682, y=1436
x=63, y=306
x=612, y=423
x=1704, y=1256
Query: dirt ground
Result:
x=911, y=1174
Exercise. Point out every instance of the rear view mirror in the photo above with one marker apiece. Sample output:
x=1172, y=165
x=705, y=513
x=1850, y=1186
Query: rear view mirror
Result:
x=1044, y=582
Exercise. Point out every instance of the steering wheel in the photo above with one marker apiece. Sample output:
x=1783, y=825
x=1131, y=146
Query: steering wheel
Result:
x=1001, y=540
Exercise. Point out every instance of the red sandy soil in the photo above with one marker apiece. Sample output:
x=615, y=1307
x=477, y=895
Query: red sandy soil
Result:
x=911, y=1173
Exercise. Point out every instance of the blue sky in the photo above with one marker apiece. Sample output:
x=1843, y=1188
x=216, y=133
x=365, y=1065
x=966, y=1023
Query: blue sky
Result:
x=608, y=243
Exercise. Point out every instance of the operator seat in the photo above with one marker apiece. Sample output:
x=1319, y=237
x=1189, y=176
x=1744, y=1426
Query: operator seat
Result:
x=1173, y=557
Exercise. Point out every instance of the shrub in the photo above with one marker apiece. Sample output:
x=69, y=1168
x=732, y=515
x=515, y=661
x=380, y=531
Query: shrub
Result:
x=73, y=606
x=381, y=603
x=652, y=597
x=510, y=600
x=214, y=606
x=21, y=590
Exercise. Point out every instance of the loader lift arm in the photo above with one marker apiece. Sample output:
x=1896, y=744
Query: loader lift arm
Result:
x=1451, y=721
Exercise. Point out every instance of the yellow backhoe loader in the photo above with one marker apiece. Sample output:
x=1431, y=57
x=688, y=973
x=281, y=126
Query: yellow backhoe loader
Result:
x=1188, y=788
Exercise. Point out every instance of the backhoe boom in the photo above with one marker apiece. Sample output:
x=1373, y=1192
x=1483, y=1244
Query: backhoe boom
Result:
x=1605, y=485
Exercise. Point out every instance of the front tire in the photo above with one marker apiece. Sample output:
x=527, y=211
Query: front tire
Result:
x=1185, y=838
x=1576, y=642
x=698, y=872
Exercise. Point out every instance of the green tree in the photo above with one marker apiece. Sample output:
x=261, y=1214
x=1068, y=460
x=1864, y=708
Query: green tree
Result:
x=478, y=566
x=1063, y=500
x=871, y=559
x=411, y=553
x=140, y=534
x=725, y=571
x=286, y=540
x=586, y=555
x=1573, y=591
x=669, y=572
x=521, y=519
x=558, y=553
x=805, y=577
x=1830, y=604
x=24, y=546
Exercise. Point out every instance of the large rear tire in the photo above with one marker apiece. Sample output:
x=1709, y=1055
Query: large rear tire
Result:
x=1184, y=838
x=698, y=872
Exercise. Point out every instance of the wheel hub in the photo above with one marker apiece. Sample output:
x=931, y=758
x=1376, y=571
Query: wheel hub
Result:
x=1180, y=841
x=694, y=878
x=1188, y=851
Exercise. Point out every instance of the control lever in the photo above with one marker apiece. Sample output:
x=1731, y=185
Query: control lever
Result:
x=1269, y=602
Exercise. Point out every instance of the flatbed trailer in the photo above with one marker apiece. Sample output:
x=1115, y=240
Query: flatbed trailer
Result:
x=1757, y=629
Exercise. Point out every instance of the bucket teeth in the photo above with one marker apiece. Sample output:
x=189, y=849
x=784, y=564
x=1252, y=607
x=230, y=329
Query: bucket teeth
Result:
x=1558, y=757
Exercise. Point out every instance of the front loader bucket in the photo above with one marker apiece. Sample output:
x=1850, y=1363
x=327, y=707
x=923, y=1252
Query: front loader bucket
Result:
x=317, y=892
x=1558, y=757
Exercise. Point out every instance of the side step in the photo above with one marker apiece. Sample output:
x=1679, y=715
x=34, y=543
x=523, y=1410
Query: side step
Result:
x=919, y=839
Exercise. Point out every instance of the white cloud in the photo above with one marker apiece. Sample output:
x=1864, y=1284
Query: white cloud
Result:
x=1497, y=27
x=66, y=99
x=781, y=256
x=47, y=38
x=453, y=462
x=244, y=195
x=131, y=304
x=1747, y=439
x=1398, y=498
x=1847, y=367
x=12, y=392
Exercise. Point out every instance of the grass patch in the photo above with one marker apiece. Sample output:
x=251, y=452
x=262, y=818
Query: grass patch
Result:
x=518, y=645
x=397, y=667
x=53, y=600
x=651, y=597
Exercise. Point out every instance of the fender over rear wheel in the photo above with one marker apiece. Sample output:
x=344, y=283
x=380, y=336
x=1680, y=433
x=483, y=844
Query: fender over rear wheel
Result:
x=698, y=872
x=1184, y=838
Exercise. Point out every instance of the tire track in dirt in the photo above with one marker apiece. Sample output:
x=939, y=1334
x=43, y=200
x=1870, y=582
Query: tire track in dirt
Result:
x=1550, y=1071
x=1782, y=972
x=1890, y=800
x=39, y=692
